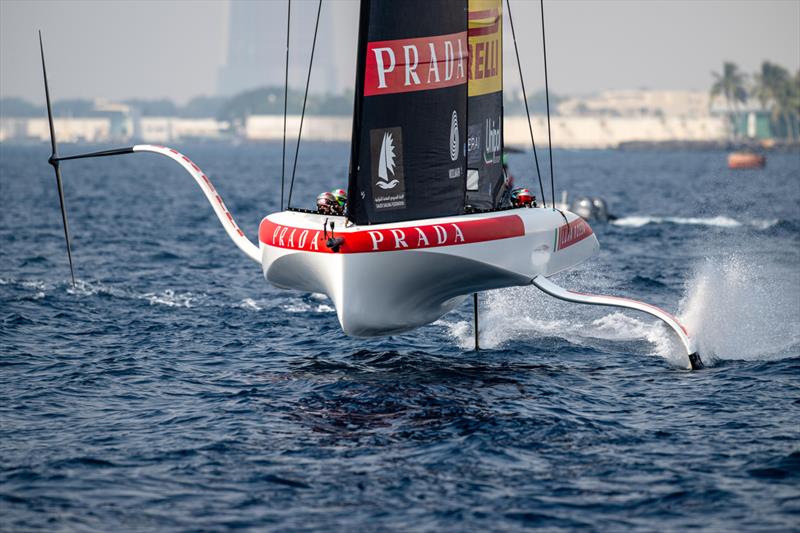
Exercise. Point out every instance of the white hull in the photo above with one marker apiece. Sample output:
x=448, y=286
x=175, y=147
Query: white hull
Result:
x=391, y=278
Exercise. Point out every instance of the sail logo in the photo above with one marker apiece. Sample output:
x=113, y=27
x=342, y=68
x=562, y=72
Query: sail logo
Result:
x=485, y=47
x=454, y=136
x=491, y=151
x=474, y=145
x=386, y=163
x=419, y=64
x=388, y=181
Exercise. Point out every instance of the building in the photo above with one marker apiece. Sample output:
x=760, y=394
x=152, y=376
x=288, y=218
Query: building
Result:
x=639, y=103
x=257, y=46
x=68, y=130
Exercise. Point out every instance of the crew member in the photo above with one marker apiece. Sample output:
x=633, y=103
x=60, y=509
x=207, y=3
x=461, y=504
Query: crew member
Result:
x=508, y=183
x=522, y=197
x=326, y=203
x=340, y=195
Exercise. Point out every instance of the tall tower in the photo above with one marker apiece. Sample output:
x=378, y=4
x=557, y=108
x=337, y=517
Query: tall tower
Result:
x=256, y=37
x=257, y=45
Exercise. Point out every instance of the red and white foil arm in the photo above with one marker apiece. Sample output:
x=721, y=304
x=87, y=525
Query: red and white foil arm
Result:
x=224, y=216
x=561, y=293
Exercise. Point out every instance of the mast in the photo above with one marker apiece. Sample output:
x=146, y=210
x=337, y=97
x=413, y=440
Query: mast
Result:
x=361, y=58
x=411, y=106
x=485, y=104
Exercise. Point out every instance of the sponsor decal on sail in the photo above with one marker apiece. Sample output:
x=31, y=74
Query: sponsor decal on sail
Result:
x=455, y=146
x=474, y=145
x=492, y=151
x=485, y=47
x=388, y=182
x=386, y=163
x=454, y=136
x=420, y=64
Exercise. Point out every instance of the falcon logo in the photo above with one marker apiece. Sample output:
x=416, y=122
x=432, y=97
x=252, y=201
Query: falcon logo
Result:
x=386, y=164
x=388, y=182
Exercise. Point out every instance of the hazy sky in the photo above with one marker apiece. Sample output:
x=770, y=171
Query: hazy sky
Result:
x=173, y=49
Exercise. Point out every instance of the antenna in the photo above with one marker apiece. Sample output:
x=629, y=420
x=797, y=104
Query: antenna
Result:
x=547, y=100
x=54, y=162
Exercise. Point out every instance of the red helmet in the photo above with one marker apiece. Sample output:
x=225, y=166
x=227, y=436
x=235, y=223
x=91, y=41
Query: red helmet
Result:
x=325, y=203
x=522, y=197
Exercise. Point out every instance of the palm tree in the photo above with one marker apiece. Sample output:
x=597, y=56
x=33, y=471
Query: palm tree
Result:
x=794, y=102
x=776, y=90
x=730, y=84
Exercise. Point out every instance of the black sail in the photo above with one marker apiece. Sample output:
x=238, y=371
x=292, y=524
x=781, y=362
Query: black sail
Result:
x=408, y=158
x=485, y=138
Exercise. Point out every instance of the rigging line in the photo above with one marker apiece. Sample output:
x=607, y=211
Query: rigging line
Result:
x=525, y=98
x=547, y=101
x=285, y=99
x=305, y=99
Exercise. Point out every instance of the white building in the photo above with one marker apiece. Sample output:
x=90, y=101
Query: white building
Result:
x=270, y=127
x=639, y=102
x=171, y=129
x=68, y=130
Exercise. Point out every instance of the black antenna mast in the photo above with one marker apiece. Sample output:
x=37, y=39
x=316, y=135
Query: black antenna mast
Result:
x=525, y=98
x=547, y=100
x=285, y=99
x=305, y=99
x=54, y=161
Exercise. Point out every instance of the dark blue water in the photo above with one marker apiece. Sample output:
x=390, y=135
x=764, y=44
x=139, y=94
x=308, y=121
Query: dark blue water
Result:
x=173, y=389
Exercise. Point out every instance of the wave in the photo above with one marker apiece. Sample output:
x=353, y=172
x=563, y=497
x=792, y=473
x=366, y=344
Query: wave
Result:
x=720, y=221
x=300, y=305
x=38, y=289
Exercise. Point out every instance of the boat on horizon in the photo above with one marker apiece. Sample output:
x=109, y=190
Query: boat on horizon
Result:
x=746, y=160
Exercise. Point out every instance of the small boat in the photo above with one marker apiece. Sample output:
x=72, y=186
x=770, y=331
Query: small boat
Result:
x=426, y=225
x=738, y=160
x=590, y=209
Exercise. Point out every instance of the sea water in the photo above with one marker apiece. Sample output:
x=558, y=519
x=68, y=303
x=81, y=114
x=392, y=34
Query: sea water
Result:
x=173, y=389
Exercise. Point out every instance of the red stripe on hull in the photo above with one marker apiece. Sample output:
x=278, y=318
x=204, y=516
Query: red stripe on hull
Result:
x=394, y=239
x=569, y=234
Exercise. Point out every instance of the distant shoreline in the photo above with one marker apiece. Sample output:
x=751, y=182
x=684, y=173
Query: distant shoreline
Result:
x=632, y=146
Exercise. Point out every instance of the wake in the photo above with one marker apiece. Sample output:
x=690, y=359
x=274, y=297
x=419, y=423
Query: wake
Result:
x=734, y=309
x=169, y=298
x=739, y=310
x=717, y=221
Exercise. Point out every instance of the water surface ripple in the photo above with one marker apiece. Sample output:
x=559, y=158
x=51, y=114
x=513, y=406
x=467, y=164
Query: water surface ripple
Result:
x=173, y=389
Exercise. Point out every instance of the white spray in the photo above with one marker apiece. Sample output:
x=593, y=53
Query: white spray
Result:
x=733, y=308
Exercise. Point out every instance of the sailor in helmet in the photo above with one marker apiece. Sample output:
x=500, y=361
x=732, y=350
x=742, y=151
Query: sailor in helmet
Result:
x=326, y=203
x=508, y=183
x=340, y=195
x=509, y=179
x=522, y=197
